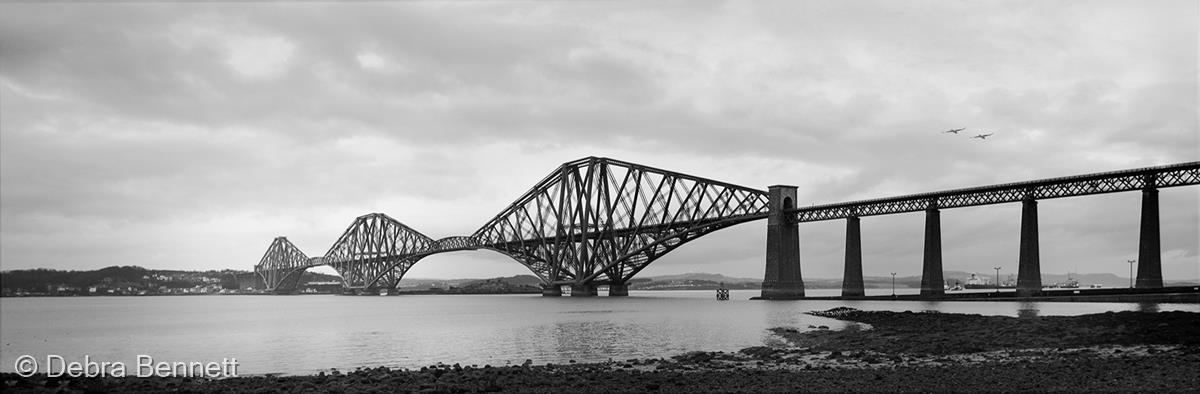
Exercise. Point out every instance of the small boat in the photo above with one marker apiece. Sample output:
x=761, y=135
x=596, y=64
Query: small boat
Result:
x=1070, y=283
x=974, y=282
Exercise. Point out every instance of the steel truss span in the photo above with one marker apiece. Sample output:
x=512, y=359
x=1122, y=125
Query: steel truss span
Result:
x=592, y=221
x=601, y=221
x=1108, y=182
x=597, y=221
x=282, y=265
x=376, y=248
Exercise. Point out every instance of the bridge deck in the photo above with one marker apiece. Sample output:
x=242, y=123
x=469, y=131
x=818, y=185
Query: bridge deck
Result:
x=1100, y=183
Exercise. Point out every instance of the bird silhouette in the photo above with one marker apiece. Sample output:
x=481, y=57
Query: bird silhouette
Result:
x=983, y=136
x=953, y=131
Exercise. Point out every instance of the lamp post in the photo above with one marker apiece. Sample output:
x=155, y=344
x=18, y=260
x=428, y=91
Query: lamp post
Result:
x=997, y=279
x=1130, y=272
x=893, y=284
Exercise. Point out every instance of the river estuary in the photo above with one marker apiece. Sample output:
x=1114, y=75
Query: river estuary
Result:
x=311, y=333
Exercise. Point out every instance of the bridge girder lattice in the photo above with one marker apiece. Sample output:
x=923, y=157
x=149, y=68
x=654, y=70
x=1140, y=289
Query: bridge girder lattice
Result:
x=376, y=250
x=594, y=220
x=282, y=265
x=601, y=221
x=1182, y=174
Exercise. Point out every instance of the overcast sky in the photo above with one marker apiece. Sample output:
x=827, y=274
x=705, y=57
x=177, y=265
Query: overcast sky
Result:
x=187, y=136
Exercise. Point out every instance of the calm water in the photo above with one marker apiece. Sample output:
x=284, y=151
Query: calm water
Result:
x=307, y=334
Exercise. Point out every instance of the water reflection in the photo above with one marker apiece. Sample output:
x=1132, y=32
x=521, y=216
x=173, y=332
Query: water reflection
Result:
x=930, y=306
x=579, y=339
x=306, y=334
x=1027, y=309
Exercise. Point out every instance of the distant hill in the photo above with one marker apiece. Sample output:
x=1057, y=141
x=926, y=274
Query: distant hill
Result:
x=117, y=280
x=519, y=284
x=42, y=278
x=133, y=278
x=704, y=276
x=426, y=283
x=693, y=281
x=523, y=284
x=318, y=277
x=517, y=280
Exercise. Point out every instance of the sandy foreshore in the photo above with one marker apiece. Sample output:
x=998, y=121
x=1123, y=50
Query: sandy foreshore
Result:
x=884, y=352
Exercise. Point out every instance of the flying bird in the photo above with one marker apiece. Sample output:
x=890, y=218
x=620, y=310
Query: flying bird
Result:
x=983, y=136
x=954, y=131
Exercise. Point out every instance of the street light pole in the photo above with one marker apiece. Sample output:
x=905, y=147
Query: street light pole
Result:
x=997, y=279
x=893, y=284
x=1130, y=272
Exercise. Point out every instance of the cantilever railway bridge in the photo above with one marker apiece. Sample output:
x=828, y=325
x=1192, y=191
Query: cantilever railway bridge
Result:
x=598, y=221
x=591, y=222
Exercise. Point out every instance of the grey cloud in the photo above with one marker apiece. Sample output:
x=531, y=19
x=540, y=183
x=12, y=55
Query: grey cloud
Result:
x=128, y=120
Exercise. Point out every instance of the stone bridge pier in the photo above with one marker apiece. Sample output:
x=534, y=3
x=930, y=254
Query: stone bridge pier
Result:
x=782, y=279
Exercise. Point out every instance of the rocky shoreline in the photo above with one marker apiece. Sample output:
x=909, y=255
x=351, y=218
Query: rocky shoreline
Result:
x=882, y=352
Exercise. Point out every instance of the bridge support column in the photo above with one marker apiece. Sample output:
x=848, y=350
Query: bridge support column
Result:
x=584, y=290
x=1149, y=263
x=782, y=280
x=618, y=290
x=932, y=283
x=552, y=291
x=852, y=279
x=1029, y=267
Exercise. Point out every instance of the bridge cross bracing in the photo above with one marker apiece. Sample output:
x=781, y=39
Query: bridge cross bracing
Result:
x=599, y=221
x=1107, y=182
x=282, y=264
x=1148, y=180
x=593, y=221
